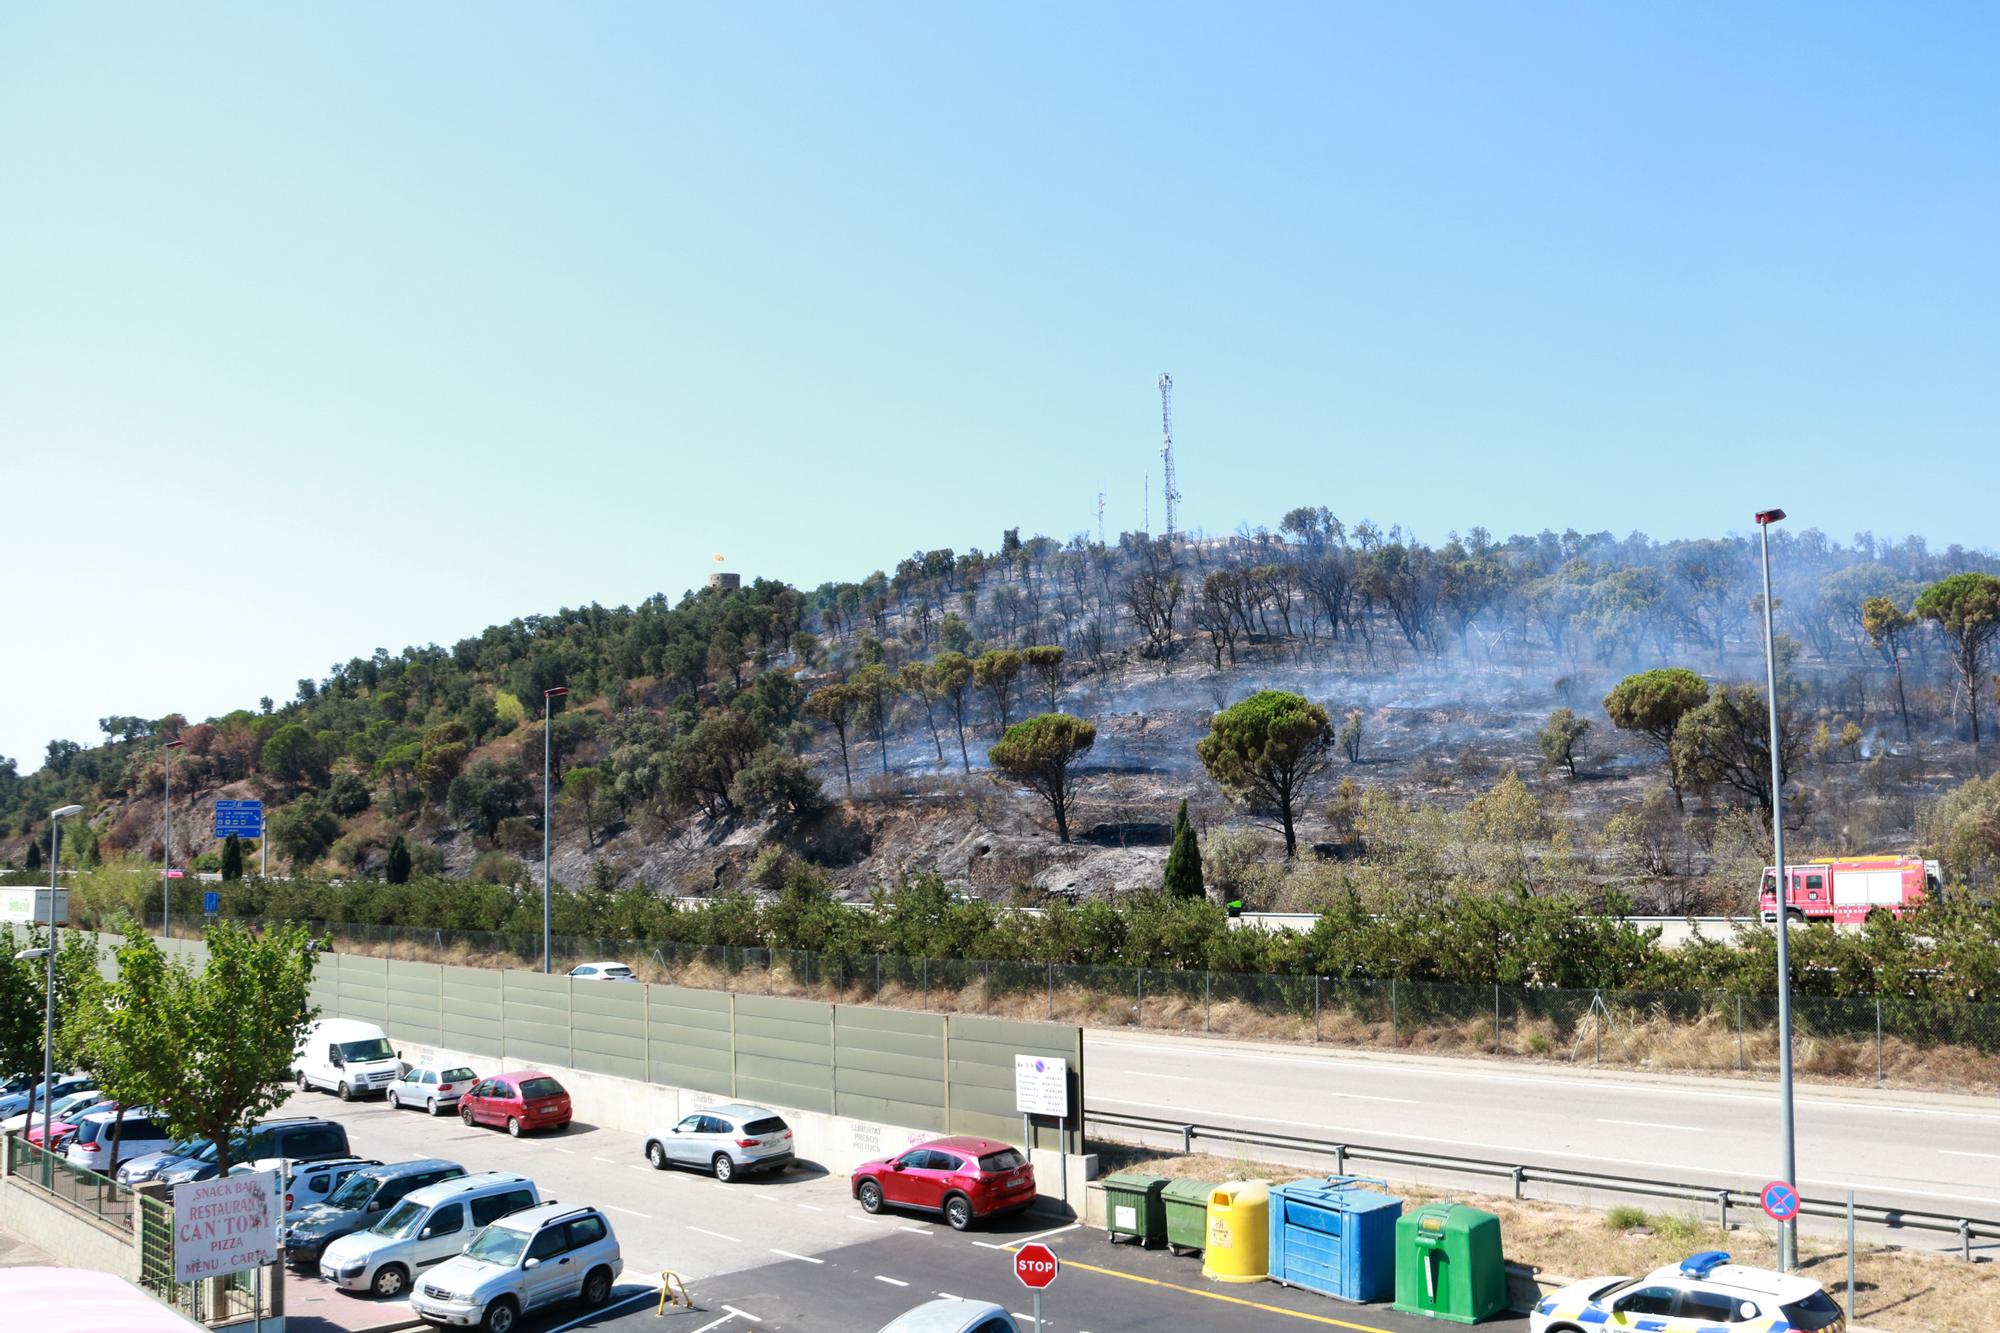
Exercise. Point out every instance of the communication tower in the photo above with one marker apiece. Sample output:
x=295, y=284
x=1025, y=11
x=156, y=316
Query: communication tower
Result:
x=1100, y=518
x=1168, y=494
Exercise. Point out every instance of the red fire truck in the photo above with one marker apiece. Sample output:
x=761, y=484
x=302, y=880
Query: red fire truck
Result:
x=1850, y=890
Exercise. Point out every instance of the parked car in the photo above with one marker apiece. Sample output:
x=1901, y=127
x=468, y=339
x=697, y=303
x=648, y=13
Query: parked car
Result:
x=139, y=1170
x=724, y=1140
x=524, y=1261
x=67, y=1111
x=431, y=1086
x=105, y=1138
x=309, y=1182
x=347, y=1057
x=31, y=1098
x=429, y=1226
x=965, y=1179
x=1703, y=1291
x=602, y=972
x=953, y=1314
x=360, y=1202
x=525, y=1100
x=273, y=1145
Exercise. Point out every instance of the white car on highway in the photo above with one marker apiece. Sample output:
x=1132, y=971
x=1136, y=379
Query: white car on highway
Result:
x=602, y=972
x=1704, y=1291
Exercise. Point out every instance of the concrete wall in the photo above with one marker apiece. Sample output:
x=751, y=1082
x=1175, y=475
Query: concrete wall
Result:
x=65, y=1235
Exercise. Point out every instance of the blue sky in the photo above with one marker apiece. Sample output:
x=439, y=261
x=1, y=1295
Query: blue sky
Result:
x=330, y=327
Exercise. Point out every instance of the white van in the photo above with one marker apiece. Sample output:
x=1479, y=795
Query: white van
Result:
x=427, y=1226
x=346, y=1056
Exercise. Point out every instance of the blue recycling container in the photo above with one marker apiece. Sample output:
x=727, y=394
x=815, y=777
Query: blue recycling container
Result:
x=1334, y=1236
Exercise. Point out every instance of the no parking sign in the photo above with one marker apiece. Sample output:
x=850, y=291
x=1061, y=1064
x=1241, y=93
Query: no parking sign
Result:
x=1781, y=1201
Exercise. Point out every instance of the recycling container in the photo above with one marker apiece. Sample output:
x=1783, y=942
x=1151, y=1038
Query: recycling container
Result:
x=1333, y=1236
x=1133, y=1208
x=1238, y=1232
x=1448, y=1264
x=1187, y=1214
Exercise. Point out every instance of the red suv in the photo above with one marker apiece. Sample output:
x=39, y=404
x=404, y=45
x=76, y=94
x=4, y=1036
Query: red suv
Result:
x=963, y=1178
x=521, y=1101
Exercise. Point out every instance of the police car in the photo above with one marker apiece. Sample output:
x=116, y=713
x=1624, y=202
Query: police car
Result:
x=1705, y=1293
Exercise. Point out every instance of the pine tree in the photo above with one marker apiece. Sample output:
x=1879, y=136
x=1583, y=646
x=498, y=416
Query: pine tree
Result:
x=1183, y=877
x=398, y=871
x=232, y=857
x=34, y=855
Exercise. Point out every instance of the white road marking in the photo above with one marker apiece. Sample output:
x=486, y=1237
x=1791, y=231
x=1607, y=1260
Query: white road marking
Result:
x=743, y=1314
x=925, y=1231
x=717, y=1234
x=715, y=1323
x=612, y=1161
x=614, y=1208
x=1650, y=1124
x=894, y=1282
x=808, y=1259
x=1951, y=1153
x=580, y=1320
x=809, y=1208
x=572, y=1151
x=1044, y=1235
x=1178, y=1078
x=947, y=1296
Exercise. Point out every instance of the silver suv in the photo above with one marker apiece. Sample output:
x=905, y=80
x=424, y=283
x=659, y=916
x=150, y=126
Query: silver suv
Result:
x=724, y=1140
x=524, y=1261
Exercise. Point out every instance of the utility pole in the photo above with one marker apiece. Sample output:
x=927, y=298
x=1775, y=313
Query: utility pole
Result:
x=548, y=938
x=167, y=840
x=1788, y=1233
x=1168, y=495
x=1146, y=504
x=1100, y=518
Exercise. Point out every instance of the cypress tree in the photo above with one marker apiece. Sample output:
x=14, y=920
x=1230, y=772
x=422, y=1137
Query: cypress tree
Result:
x=232, y=857
x=398, y=871
x=1183, y=877
x=34, y=854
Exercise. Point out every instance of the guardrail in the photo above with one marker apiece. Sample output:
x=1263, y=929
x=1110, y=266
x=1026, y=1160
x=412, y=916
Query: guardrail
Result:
x=1967, y=1229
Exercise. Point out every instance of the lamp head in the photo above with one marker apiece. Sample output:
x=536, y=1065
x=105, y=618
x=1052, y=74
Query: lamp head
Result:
x=555, y=692
x=65, y=812
x=1766, y=517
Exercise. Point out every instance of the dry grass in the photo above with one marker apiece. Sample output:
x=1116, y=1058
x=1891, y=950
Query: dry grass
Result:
x=1899, y=1291
x=1632, y=1039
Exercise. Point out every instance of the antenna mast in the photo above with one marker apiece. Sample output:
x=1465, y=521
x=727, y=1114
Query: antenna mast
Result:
x=1168, y=494
x=1146, y=504
x=1100, y=518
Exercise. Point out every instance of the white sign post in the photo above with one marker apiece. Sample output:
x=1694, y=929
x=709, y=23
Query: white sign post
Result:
x=227, y=1225
x=1041, y=1087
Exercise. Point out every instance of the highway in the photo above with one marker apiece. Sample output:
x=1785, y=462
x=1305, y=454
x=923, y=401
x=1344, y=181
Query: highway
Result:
x=1929, y=1151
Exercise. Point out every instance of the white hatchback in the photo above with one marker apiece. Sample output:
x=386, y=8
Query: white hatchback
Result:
x=435, y=1088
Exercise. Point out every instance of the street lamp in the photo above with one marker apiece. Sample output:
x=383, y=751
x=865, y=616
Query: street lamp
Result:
x=1787, y=1232
x=547, y=917
x=167, y=844
x=49, y=981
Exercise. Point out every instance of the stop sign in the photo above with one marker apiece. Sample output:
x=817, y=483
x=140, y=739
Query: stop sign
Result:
x=1036, y=1265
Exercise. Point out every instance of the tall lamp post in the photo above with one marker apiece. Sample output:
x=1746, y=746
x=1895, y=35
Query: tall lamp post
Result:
x=548, y=951
x=167, y=843
x=49, y=982
x=1788, y=1232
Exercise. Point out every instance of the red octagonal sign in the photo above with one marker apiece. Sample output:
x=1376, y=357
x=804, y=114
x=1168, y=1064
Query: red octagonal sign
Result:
x=1036, y=1265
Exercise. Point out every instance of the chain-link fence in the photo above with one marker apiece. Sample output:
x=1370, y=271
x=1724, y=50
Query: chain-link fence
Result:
x=79, y=1186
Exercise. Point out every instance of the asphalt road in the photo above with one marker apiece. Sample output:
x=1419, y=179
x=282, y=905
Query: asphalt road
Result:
x=1934, y=1152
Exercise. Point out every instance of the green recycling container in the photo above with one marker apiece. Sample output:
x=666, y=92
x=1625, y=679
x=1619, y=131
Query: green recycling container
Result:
x=1448, y=1264
x=1187, y=1214
x=1133, y=1209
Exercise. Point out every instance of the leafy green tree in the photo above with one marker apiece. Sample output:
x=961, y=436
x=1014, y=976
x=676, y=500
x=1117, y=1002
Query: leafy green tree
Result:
x=583, y=791
x=1651, y=704
x=1267, y=752
x=1966, y=610
x=1183, y=873
x=914, y=680
x=21, y=1000
x=954, y=635
x=292, y=756
x=303, y=830
x=1046, y=661
x=1727, y=742
x=951, y=680
x=398, y=869
x=487, y=793
x=1963, y=827
x=438, y=767
x=232, y=858
x=1350, y=735
x=1041, y=754
x=210, y=1051
x=835, y=705
x=776, y=783
x=701, y=765
x=347, y=794
x=997, y=673
x=877, y=686
x=1886, y=626
x=1558, y=739
x=805, y=648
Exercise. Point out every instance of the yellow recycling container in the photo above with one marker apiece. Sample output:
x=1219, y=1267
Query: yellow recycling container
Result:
x=1239, y=1232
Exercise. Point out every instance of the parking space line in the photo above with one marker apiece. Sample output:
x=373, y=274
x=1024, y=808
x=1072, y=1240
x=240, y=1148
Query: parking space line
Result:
x=1057, y=1231
x=894, y=1282
x=631, y=1212
x=637, y=1300
x=809, y=1208
x=572, y=1151
x=1228, y=1300
x=804, y=1258
x=717, y=1234
x=718, y=1323
x=612, y=1161
x=743, y=1314
x=925, y=1231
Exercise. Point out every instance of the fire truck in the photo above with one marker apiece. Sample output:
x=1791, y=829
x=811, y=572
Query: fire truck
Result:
x=1850, y=890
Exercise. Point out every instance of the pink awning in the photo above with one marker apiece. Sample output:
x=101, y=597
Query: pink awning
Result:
x=81, y=1300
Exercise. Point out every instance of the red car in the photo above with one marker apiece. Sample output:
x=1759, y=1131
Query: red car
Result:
x=963, y=1178
x=525, y=1100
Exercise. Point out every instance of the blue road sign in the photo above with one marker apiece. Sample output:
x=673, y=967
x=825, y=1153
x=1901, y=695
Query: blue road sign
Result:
x=1781, y=1201
x=211, y=902
x=243, y=818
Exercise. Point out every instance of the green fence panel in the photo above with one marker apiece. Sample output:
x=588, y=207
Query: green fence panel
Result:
x=979, y=1062
x=784, y=1052
x=534, y=1010
x=412, y=991
x=608, y=1028
x=364, y=988
x=469, y=1011
x=690, y=1041
x=889, y=1066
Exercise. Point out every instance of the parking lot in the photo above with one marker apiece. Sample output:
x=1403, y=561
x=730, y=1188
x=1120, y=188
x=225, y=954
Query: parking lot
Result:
x=794, y=1252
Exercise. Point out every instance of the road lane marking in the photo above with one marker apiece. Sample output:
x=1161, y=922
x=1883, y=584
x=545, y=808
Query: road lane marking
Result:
x=809, y=1208
x=717, y=1234
x=612, y=1161
x=1951, y=1153
x=925, y=1231
x=570, y=1151
x=947, y=1296
x=1044, y=1235
x=614, y=1208
x=636, y=1300
x=1029, y=1319
x=743, y=1314
x=715, y=1323
x=892, y=1281
x=1649, y=1124
x=1147, y=1073
x=802, y=1258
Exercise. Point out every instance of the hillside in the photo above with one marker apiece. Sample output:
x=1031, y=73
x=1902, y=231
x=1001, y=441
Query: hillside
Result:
x=849, y=725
